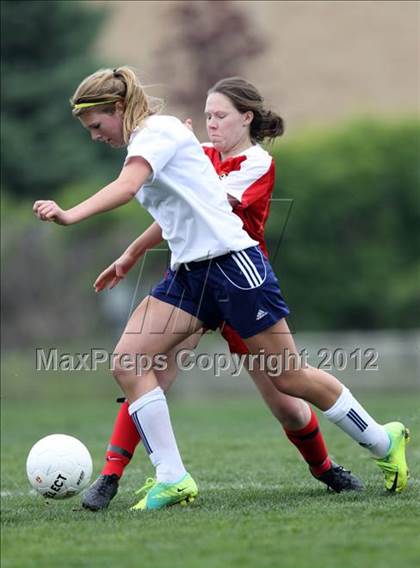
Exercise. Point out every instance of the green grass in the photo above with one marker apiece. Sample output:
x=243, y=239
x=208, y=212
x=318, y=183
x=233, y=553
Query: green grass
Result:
x=258, y=506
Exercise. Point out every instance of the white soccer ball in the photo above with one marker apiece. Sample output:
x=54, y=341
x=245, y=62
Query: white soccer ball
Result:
x=59, y=466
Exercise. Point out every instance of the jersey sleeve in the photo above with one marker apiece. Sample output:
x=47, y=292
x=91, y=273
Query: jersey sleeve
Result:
x=254, y=179
x=155, y=145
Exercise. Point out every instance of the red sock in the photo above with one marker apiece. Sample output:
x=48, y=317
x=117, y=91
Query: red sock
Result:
x=311, y=444
x=123, y=442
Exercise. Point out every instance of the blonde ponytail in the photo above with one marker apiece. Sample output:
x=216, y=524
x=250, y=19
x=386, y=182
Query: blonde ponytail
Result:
x=108, y=86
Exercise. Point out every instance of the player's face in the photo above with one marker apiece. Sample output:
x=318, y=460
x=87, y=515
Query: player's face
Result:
x=226, y=126
x=104, y=127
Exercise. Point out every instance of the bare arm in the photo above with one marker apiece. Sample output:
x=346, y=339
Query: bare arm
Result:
x=118, y=270
x=115, y=194
x=151, y=237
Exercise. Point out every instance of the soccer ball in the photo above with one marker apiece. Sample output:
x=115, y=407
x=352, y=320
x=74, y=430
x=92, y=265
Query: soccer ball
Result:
x=59, y=466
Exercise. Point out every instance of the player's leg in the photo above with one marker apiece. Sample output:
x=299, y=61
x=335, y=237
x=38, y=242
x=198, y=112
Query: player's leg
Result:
x=122, y=444
x=125, y=437
x=299, y=422
x=386, y=443
x=301, y=426
x=154, y=329
x=166, y=376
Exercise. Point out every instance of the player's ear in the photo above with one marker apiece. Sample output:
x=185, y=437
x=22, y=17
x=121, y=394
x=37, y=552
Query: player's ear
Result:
x=247, y=117
x=119, y=107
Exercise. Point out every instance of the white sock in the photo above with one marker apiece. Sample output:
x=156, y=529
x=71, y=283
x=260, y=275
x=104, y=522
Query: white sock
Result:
x=150, y=414
x=351, y=417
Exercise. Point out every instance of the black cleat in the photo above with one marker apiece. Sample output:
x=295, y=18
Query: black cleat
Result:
x=339, y=479
x=101, y=492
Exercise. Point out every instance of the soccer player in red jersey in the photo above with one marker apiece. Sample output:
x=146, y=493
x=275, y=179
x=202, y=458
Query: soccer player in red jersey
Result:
x=247, y=172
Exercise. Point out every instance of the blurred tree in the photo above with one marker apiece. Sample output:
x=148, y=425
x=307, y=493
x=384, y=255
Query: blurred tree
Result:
x=45, y=53
x=212, y=40
x=351, y=252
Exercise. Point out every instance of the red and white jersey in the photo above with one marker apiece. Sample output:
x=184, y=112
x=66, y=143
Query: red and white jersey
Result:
x=184, y=194
x=249, y=178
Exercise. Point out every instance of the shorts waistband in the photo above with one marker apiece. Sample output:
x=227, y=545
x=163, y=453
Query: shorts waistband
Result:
x=202, y=263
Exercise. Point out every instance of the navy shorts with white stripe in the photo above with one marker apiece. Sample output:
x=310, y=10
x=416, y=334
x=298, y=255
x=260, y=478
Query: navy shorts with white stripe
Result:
x=239, y=288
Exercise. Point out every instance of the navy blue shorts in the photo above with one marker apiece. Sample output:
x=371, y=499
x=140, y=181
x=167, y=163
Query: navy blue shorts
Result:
x=239, y=288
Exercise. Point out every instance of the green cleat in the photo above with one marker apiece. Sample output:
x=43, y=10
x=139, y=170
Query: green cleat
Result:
x=161, y=495
x=394, y=464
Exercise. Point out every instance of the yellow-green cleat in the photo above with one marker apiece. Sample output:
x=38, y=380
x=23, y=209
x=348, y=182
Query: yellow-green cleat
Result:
x=161, y=495
x=394, y=464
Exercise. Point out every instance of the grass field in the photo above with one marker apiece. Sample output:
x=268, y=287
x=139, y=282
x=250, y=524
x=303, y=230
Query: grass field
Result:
x=258, y=506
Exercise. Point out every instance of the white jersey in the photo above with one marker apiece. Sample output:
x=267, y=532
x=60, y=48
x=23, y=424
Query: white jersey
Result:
x=184, y=194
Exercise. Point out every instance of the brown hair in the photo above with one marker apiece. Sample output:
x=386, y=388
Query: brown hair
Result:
x=113, y=85
x=244, y=97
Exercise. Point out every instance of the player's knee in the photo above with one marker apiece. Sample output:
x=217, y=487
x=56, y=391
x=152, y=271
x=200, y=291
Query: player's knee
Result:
x=287, y=381
x=166, y=376
x=127, y=366
x=290, y=411
x=119, y=372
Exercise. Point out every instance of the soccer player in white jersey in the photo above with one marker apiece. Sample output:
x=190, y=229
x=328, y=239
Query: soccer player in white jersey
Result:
x=218, y=273
x=247, y=172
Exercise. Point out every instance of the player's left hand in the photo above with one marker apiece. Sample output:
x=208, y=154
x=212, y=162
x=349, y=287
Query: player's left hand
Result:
x=48, y=210
x=115, y=272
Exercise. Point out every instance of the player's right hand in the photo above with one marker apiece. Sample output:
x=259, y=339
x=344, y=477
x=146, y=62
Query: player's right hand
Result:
x=116, y=272
x=48, y=210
